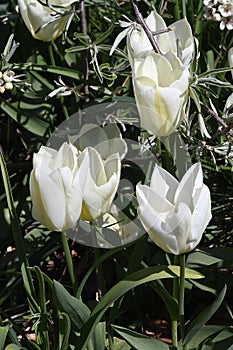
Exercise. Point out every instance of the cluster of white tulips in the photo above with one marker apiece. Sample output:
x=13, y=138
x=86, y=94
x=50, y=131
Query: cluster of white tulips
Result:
x=74, y=183
x=67, y=185
x=161, y=80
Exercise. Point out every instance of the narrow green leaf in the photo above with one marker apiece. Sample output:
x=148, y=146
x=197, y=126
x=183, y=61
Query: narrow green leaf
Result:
x=214, y=71
x=42, y=329
x=13, y=347
x=64, y=331
x=97, y=341
x=3, y=335
x=204, y=316
x=103, y=36
x=67, y=72
x=77, y=311
x=28, y=121
x=120, y=344
x=140, y=341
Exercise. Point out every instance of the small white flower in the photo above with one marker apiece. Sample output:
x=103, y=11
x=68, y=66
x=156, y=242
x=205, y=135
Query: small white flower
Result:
x=8, y=76
x=227, y=23
x=8, y=86
x=226, y=10
x=210, y=3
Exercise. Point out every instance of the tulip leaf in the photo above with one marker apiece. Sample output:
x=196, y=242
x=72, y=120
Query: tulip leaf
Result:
x=198, y=259
x=77, y=311
x=140, y=341
x=204, y=316
x=120, y=344
x=131, y=281
x=3, y=335
x=64, y=331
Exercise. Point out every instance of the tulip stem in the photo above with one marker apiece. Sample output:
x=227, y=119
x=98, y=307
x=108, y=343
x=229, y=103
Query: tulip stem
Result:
x=147, y=30
x=175, y=294
x=181, y=295
x=69, y=262
x=51, y=55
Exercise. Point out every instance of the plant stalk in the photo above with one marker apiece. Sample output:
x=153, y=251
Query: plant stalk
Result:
x=69, y=262
x=181, y=295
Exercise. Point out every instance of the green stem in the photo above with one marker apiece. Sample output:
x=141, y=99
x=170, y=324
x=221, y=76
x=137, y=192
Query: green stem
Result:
x=184, y=10
x=177, y=10
x=181, y=295
x=100, y=274
x=175, y=294
x=69, y=262
x=51, y=55
x=18, y=238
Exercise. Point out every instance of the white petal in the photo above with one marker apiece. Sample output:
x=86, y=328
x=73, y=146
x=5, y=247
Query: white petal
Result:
x=53, y=200
x=201, y=214
x=163, y=183
x=190, y=186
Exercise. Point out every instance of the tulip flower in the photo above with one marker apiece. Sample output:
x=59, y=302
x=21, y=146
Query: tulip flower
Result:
x=56, y=184
x=102, y=180
x=175, y=214
x=106, y=140
x=45, y=22
x=177, y=38
x=161, y=91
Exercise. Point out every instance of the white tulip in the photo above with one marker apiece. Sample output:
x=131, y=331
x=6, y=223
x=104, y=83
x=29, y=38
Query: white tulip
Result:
x=175, y=214
x=106, y=140
x=179, y=40
x=161, y=91
x=102, y=180
x=45, y=23
x=56, y=184
x=230, y=59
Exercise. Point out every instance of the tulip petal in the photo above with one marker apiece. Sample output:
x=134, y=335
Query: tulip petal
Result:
x=38, y=210
x=190, y=186
x=52, y=199
x=163, y=183
x=201, y=214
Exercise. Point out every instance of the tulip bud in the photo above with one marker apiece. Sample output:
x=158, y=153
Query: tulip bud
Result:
x=44, y=22
x=102, y=180
x=177, y=38
x=161, y=92
x=175, y=214
x=56, y=184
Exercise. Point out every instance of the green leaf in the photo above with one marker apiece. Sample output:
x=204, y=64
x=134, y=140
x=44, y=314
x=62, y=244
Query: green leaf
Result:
x=67, y=72
x=140, y=341
x=97, y=340
x=12, y=347
x=120, y=344
x=135, y=279
x=198, y=259
x=42, y=328
x=3, y=335
x=77, y=311
x=204, y=316
x=214, y=71
x=28, y=121
x=64, y=330
x=103, y=36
